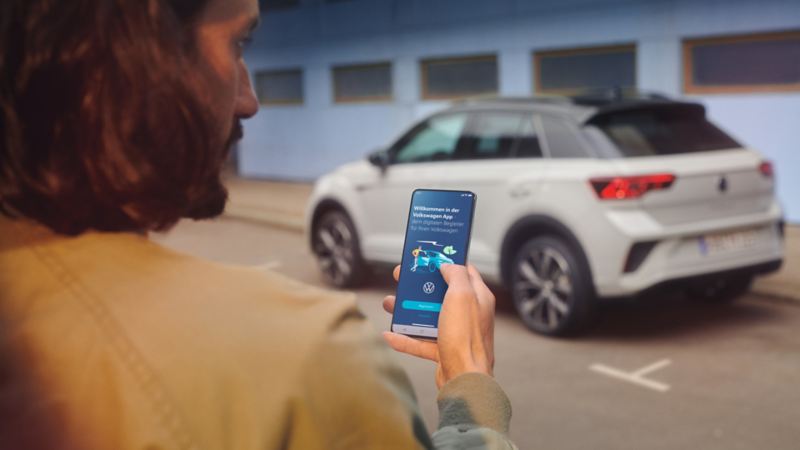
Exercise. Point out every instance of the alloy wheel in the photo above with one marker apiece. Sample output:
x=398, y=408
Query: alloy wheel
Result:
x=543, y=290
x=335, y=250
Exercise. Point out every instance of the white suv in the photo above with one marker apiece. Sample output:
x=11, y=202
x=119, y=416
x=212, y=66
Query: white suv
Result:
x=578, y=199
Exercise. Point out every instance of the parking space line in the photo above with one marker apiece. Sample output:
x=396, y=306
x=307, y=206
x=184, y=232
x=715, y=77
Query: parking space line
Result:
x=636, y=377
x=651, y=368
x=269, y=265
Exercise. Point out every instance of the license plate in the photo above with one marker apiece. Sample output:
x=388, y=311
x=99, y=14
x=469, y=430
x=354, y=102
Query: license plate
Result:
x=712, y=244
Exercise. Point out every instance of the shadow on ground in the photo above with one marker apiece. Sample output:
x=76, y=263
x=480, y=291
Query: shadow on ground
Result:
x=668, y=315
x=656, y=316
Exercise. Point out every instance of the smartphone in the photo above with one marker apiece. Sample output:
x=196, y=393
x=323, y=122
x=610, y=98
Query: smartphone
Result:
x=437, y=231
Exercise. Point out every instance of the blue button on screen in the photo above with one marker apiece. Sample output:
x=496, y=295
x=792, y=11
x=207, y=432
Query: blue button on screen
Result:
x=421, y=306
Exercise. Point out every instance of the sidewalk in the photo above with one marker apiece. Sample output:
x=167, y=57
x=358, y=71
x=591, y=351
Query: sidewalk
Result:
x=277, y=203
x=282, y=204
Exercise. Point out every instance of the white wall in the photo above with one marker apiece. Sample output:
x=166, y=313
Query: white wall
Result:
x=302, y=142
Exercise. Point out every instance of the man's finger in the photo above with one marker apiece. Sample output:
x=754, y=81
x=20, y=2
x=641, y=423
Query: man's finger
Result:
x=483, y=291
x=413, y=347
x=396, y=272
x=456, y=277
x=388, y=303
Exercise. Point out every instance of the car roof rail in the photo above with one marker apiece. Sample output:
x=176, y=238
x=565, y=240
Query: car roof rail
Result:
x=599, y=97
x=616, y=95
x=555, y=99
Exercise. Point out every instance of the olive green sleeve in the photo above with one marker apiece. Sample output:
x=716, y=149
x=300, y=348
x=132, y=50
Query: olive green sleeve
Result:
x=353, y=394
x=474, y=412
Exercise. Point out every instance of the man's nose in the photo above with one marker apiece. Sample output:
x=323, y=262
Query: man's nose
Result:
x=246, y=101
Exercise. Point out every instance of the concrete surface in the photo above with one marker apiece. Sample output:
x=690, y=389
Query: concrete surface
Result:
x=665, y=374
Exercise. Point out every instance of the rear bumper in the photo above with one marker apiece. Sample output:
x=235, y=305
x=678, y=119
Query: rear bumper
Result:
x=679, y=283
x=675, y=258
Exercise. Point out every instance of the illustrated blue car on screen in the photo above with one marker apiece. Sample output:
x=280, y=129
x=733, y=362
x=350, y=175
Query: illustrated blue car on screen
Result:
x=429, y=259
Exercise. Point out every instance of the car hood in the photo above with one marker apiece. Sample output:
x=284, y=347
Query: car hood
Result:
x=353, y=167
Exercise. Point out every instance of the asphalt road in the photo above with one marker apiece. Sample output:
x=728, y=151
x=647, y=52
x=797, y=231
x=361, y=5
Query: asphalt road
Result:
x=660, y=374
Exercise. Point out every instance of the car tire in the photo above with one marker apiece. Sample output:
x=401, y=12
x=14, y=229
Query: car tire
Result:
x=720, y=290
x=432, y=267
x=551, y=287
x=336, y=246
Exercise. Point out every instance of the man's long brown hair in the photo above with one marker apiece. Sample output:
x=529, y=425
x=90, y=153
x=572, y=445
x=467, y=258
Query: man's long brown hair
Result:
x=104, y=123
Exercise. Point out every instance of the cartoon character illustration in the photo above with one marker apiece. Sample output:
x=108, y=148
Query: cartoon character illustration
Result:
x=429, y=259
x=415, y=254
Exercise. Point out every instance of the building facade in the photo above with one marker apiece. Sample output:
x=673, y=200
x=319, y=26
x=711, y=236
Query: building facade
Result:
x=340, y=78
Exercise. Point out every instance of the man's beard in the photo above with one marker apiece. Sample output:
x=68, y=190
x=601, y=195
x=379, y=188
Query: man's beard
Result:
x=236, y=134
x=212, y=202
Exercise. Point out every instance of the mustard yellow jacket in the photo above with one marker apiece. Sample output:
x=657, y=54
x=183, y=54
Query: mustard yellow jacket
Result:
x=110, y=341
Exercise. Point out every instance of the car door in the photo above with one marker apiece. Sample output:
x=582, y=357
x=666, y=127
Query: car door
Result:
x=501, y=161
x=415, y=161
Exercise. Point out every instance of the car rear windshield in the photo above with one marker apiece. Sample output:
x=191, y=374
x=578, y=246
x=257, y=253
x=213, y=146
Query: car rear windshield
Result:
x=662, y=130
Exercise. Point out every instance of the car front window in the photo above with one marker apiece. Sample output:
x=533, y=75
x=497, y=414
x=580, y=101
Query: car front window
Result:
x=436, y=140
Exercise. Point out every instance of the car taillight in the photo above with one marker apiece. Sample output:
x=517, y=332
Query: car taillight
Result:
x=621, y=188
x=766, y=169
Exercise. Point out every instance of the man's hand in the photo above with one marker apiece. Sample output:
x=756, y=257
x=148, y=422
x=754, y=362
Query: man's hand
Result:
x=466, y=326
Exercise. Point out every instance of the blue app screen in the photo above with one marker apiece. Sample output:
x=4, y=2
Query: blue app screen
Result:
x=437, y=232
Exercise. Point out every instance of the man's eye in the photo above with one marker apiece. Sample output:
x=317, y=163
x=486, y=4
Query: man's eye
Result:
x=244, y=43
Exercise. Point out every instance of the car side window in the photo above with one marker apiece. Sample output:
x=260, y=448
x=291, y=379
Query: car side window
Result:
x=562, y=139
x=502, y=134
x=434, y=140
x=528, y=145
x=493, y=134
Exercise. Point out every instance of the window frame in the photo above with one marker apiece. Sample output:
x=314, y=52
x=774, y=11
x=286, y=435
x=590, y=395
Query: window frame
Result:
x=423, y=68
x=688, y=44
x=266, y=102
x=371, y=99
x=538, y=55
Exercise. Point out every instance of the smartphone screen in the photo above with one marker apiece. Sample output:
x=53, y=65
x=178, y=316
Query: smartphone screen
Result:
x=437, y=232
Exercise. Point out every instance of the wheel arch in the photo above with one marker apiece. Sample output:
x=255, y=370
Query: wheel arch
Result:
x=538, y=225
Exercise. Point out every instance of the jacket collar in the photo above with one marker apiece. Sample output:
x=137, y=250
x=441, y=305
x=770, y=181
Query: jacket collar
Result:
x=18, y=232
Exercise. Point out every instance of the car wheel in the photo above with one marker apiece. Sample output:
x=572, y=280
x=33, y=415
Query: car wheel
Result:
x=721, y=290
x=336, y=247
x=551, y=289
x=432, y=267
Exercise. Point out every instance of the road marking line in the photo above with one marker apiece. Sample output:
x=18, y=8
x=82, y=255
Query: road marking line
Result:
x=636, y=377
x=269, y=265
x=652, y=367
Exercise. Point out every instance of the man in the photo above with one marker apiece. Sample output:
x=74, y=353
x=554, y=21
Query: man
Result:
x=116, y=119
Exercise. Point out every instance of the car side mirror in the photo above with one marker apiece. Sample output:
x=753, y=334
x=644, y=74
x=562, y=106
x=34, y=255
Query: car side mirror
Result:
x=380, y=159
